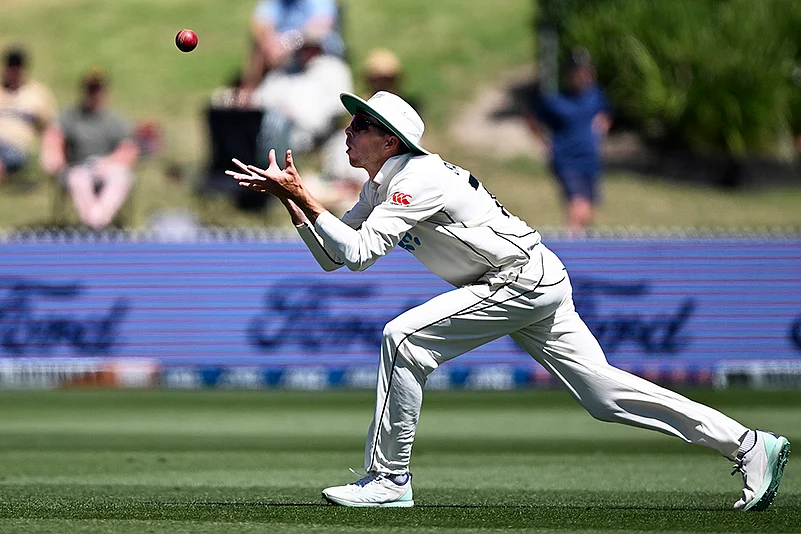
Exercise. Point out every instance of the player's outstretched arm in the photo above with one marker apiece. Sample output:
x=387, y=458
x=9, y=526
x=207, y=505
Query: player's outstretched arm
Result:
x=295, y=213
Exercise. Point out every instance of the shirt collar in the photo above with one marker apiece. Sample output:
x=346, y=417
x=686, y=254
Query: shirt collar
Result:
x=391, y=167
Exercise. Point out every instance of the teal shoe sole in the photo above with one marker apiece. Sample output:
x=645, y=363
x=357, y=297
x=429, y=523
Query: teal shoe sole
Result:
x=777, y=459
x=404, y=502
x=393, y=504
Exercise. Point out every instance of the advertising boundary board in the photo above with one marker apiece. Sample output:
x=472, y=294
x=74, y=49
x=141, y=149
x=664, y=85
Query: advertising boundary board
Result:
x=243, y=311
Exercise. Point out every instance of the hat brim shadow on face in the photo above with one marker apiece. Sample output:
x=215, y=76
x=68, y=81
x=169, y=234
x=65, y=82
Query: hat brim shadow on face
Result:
x=356, y=105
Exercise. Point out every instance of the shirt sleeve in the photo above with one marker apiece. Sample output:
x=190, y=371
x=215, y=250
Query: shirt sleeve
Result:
x=326, y=258
x=604, y=105
x=546, y=107
x=410, y=199
x=119, y=130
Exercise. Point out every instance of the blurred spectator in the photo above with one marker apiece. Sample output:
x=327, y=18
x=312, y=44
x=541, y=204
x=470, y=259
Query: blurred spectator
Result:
x=577, y=119
x=278, y=28
x=26, y=109
x=298, y=109
x=308, y=99
x=303, y=112
x=93, y=151
x=340, y=184
x=383, y=71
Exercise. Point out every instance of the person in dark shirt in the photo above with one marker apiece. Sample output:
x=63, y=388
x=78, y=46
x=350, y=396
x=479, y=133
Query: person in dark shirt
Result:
x=575, y=121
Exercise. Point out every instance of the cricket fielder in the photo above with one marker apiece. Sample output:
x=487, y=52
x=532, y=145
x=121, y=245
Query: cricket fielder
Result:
x=507, y=282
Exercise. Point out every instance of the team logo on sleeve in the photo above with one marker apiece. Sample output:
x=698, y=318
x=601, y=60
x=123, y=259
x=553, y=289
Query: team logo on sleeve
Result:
x=402, y=199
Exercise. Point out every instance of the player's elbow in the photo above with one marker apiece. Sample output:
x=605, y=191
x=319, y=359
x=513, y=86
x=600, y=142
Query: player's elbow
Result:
x=359, y=264
x=356, y=266
x=361, y=253
x=331, y=267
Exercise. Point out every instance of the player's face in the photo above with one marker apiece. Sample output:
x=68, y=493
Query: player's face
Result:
x=365, y=141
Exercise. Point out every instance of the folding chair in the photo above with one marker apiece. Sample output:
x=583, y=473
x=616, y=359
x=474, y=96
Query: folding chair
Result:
x=233, y=133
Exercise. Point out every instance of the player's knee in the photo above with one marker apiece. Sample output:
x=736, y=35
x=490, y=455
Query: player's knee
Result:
x=602, y=410
x=395, y=332
x=400, y=343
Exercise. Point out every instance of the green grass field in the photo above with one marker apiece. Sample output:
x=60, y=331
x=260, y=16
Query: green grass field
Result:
x=236, y=461
x=450, y=61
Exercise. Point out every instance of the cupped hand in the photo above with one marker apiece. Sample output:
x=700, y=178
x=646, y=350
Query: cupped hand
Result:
x=272, y=180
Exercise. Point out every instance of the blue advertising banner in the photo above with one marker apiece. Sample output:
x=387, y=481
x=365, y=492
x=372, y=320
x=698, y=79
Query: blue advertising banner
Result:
x=261, y=312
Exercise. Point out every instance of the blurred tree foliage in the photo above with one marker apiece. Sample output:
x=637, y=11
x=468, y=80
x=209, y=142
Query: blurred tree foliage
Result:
x=712, y=76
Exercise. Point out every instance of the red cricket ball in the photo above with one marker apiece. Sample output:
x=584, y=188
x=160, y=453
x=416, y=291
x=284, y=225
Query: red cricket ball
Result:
x=186, y=40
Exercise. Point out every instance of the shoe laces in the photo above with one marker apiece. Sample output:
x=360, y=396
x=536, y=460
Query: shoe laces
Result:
x=365, y=479
x=738, y=466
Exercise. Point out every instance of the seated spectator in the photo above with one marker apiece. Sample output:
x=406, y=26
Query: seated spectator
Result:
x=92, y=150
x=26, y=108
x=382, y=71
x=303, y=112
x=278, y=28
x=339, y=184
x=309, y=98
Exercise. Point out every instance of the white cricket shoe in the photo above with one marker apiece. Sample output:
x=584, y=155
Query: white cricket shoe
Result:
x=761, y=466
x=374, y=490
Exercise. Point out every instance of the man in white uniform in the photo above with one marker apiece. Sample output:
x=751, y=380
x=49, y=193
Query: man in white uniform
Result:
x=507, y=282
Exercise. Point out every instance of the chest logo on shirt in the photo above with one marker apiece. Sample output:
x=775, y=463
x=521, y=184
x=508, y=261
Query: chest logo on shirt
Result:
x=408, y=241
x=402, y=199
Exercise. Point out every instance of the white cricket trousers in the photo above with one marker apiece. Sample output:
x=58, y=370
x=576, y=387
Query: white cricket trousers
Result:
x=538, y=312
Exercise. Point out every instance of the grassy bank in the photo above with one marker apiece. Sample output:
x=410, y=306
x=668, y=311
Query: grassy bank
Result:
x=450, y=61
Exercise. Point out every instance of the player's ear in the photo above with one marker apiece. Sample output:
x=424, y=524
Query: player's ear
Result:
x=392, y=143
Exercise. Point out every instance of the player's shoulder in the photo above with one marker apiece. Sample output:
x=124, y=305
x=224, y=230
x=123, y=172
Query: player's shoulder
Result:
x=419, y=176
x=424, y=165
x=423, y=170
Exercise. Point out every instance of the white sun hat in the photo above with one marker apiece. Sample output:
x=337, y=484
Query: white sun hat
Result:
x=393, y=112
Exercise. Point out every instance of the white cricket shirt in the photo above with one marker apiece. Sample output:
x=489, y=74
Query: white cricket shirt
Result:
x=435, y=210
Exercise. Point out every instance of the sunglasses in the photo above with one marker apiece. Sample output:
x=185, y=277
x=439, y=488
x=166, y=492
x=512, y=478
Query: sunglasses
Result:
x=360, y=123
